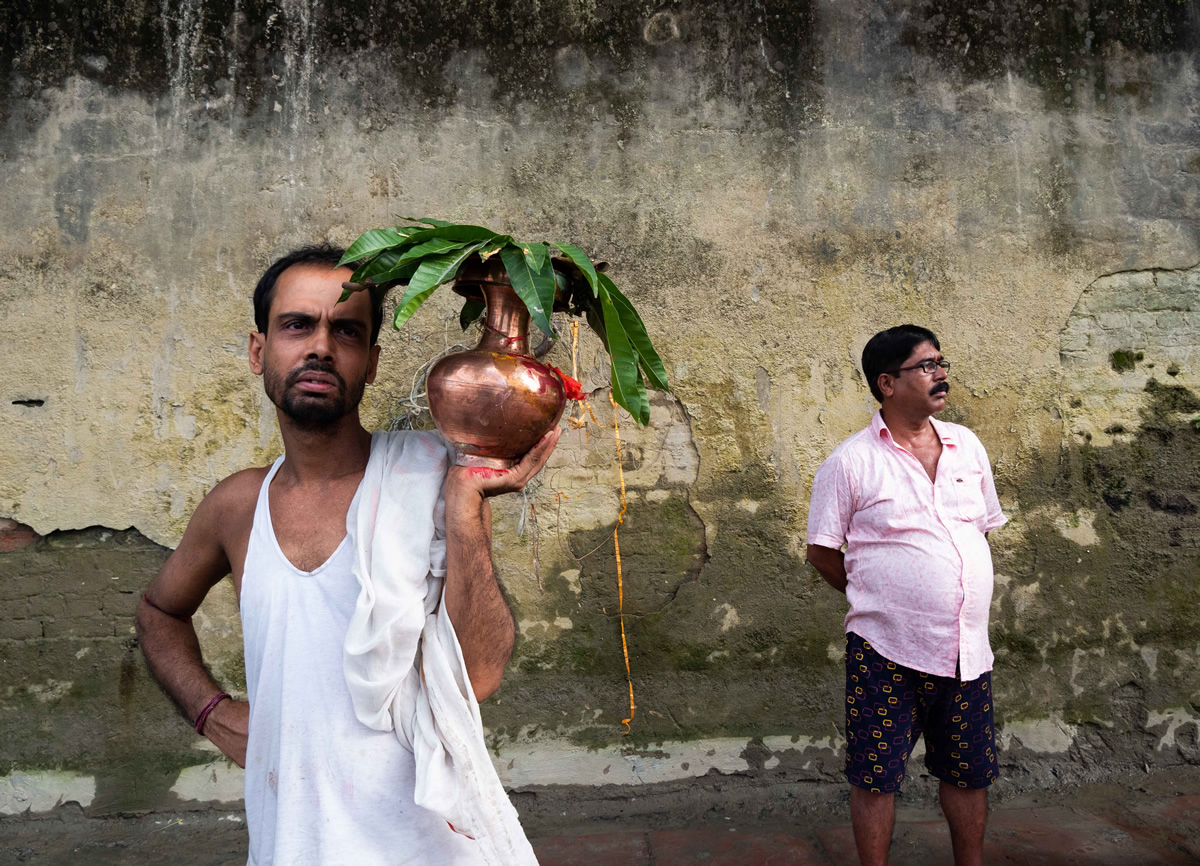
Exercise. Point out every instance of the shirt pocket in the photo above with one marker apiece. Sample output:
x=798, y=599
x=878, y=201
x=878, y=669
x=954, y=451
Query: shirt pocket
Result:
x=968, y=484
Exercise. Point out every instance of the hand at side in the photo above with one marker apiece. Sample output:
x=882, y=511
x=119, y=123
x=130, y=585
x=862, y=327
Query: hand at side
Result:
x=228, y=727
x=830, y=564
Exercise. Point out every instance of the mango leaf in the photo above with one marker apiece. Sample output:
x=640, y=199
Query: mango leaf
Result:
x=430, y=274
x=627, y=386
x=426, y=220
x=635, y=329
x=595, y=320
x=535, y=288
x=471, y=311
x=407, y=230
x=377, y=264
x=369, y=266
x=433, y=247
x=371, y=242
x=536, y=253
x=400, y=274
x=490, y=248
x=579, y=257
x=465, y=233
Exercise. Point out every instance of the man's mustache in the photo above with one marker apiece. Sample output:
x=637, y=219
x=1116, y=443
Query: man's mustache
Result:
x=940, y=388
x=314, y=367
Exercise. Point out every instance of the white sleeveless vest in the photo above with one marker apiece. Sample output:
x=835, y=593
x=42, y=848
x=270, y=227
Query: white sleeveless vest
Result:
x=321, y=787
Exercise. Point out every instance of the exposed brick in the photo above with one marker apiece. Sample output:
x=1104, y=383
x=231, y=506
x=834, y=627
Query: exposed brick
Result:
x=14, y=536
x=20, y=629
x=80, y=627
x=14, y=587
x=1113, y=321
x=44, y=604
x=84, y=607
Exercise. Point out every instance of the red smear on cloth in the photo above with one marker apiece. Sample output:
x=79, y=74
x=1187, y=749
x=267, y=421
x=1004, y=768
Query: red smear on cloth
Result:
x=573, y=388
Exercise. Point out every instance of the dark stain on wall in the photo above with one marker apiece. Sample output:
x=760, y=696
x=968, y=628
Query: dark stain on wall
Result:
x=662, y=544
x=557, y=57
x=117, y=43
x=1049, y=43
x=1080, y=637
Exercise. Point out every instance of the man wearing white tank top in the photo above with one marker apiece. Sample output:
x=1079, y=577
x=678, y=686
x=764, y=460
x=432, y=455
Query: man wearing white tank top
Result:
x=321, y=787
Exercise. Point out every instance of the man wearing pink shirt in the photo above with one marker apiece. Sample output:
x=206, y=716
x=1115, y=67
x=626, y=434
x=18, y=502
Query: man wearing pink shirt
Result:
x=912, y=500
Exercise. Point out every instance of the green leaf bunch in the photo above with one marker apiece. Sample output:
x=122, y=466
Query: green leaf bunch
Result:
x=545, y=276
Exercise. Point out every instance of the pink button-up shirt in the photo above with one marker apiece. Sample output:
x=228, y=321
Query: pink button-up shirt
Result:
x=918, y=566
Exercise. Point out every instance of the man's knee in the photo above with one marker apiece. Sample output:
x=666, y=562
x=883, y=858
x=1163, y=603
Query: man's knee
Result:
x=871, y=806
x=866, y=795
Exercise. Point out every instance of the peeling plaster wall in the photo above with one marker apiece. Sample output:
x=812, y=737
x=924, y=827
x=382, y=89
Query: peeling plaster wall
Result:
x=772, y=182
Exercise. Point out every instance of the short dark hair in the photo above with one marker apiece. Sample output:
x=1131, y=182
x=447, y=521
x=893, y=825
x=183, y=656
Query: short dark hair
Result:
x=889, y=349
x=314, y=254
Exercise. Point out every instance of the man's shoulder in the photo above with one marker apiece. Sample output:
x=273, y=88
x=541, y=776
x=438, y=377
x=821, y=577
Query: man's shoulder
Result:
x=416, y=449
x=852, y=447
x=960, y=434
x=237, y=492
x=432, y=437
x=227, y=511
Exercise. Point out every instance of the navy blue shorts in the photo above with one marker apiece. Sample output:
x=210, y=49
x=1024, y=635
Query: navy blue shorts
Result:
x=888, y=706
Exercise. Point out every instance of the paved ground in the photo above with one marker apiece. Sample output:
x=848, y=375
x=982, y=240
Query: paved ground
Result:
x=1132, y=821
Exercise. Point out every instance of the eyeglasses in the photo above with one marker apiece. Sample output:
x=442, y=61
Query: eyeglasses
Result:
x=927, y=367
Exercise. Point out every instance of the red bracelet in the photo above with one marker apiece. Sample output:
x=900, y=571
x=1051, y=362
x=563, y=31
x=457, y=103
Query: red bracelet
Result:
x=204, y=712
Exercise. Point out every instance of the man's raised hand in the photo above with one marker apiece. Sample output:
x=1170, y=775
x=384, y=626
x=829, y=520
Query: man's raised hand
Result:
x=494, y=482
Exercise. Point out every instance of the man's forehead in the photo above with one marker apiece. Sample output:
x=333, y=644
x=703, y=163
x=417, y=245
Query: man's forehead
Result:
x=314, y=288
x=924, y=350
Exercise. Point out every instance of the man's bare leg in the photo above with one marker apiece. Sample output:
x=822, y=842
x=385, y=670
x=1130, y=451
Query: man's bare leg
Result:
x=873, y=817
x=966, y=812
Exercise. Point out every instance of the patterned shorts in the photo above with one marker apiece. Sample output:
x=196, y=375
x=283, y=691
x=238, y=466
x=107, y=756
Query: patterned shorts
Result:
x=889, y=706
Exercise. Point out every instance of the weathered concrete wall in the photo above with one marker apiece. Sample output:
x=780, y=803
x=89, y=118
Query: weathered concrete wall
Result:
x=773, y=182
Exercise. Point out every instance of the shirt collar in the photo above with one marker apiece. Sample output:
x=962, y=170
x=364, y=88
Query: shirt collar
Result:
x=944, y=430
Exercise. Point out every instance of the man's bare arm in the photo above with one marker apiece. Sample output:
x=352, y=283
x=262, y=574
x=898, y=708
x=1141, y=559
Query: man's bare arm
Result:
x=168, y=639
x=482, y=621
x=830, y=564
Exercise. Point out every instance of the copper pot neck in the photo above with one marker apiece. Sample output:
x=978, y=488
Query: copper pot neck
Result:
x=507, y=328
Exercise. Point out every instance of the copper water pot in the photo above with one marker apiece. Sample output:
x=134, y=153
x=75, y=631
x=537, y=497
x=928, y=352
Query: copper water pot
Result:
x=494, y=402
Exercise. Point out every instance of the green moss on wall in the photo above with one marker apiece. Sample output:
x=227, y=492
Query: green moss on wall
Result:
x=1123, y=361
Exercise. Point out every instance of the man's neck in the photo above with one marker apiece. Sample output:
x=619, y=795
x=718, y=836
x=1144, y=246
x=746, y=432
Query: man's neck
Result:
x=907, y=430
x=326, y=454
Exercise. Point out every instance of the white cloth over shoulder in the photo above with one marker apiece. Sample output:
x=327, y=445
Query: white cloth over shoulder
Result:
x=403, y=663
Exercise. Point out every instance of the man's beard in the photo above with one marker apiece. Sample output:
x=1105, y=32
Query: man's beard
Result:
x=312, y=411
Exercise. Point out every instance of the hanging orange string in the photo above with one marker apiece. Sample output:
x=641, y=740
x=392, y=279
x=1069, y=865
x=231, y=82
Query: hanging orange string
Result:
x=574, y=349
x=620, y=581
x=581, y=420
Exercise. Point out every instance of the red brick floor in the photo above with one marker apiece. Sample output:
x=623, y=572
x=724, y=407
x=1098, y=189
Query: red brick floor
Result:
x=1174, y=822
x=1053, y=836
x=628, y=849
x=732, y=847
x=678, y=848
